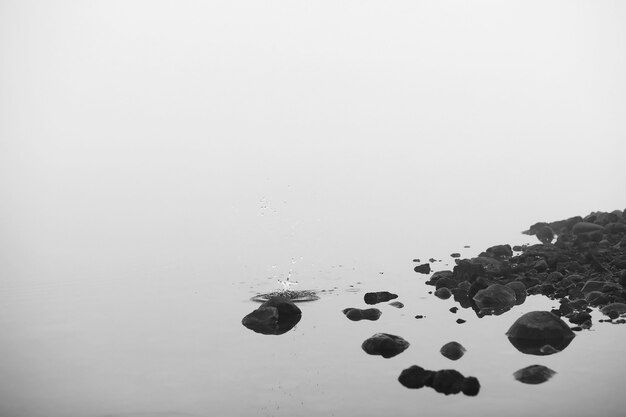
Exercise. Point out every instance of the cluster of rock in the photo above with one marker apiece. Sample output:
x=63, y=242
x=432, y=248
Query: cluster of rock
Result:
x=584, y=267
x=446, y=381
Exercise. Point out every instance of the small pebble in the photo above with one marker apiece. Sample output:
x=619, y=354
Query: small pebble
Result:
x=460, y=321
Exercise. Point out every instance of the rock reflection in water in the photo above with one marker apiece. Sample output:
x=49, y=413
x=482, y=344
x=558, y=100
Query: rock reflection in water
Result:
x=276, y=316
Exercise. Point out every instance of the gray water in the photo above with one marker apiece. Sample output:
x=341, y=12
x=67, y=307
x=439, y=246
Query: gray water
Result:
x=161, y=163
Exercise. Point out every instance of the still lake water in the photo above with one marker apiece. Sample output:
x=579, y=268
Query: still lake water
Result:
x=162, y=163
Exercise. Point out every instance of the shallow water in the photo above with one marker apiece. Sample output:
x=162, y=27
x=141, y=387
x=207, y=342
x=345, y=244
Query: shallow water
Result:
x=161, y=165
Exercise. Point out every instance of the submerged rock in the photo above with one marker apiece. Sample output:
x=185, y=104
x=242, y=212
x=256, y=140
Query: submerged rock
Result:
x=396, y=304
x=446, y=381
x=533, y=331
x=453, y=350
x=357, y=314
x=276, y=316
x=385, y=345
x=534, y=374
x=379, y=297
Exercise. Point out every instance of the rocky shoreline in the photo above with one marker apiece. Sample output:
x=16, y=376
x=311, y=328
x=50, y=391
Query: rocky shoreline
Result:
x=580, y=261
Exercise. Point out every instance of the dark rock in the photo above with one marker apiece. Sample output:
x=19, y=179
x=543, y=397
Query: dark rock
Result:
x=496, y=298
x=470, y=386
x=592, y=286
x=446, y=283
x=500, y=251
x=460, y=321
x=356, y=314
x=443, y=293
x=378, y=297
x=453, y=350
x=580, y=318
x=385, y=345
x=419, y=316
x=536, y=329
x=447, y=381
x=422, y=269
x=541, y=265
x=276, y=316
x=545, y=234
x=434, y=278
x=467, y=271
x=453, y=310
x=455, y=255
x=586, y=227
x=415, y=377
x=520, y=291
x=614, y=308
x=396, y=304
x=534, y=374
x=615, y=228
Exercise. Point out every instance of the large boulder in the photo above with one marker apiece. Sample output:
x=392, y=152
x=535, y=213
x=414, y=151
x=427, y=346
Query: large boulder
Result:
x=385, y=345
x=535, y=332
x=276, y=316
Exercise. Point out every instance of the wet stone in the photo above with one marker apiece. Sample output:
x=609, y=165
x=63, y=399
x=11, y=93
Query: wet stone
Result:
x=446, y=381
x=443, y=293
x=396, y=304
x=385, y=345
x=495, y=298
x=453, y=350
x=422, y=269
x=580, y=318
x=614, y=309
x=534, y=374
x=356, y=314
x=378, y=297
x=460, y=321
x=276, y=316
